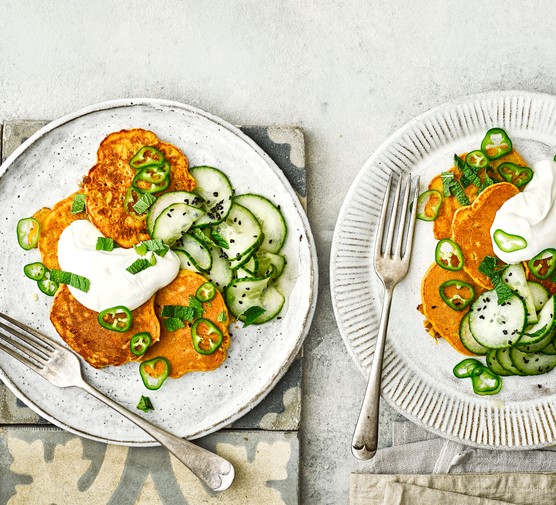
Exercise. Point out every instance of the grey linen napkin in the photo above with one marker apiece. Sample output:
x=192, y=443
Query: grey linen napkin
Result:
x=423, y=468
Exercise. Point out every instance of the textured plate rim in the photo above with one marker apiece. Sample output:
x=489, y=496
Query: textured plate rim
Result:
x=490, y=416
x=308, y=316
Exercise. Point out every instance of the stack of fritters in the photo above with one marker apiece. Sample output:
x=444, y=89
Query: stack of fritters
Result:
x=105, y=188
x=469, y=227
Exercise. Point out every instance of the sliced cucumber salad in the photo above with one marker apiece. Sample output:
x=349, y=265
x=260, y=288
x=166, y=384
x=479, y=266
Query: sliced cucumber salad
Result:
x=234, y=241
x=516, y=337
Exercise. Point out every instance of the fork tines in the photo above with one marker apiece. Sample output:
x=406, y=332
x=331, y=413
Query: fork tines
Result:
x=398, y=217
x=25, y=344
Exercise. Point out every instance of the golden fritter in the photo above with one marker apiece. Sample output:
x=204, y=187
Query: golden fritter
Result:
x=53, y=223
x=443, y=321
x=108, y=181
x=471, y=228
x=177, y=346
x=442, y=225
x=80, y=329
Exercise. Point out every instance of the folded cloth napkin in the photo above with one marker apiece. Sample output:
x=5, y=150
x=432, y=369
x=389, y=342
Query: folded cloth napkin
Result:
x=421, y=468
x=461, y=489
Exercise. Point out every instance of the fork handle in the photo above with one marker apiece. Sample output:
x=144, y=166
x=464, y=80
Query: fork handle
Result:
x=216, y=472
x=365, y=437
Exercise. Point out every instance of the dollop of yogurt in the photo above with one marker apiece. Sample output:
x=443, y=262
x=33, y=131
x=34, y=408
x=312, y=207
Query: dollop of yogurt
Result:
x=529, y=215
x=110, y=283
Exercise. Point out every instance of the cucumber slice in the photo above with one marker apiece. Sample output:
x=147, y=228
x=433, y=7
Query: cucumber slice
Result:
x=467, y=338
x=220, y=274
x=214, y=187
x=536, y=346
x=534, y=363
x=270, y=218
x=167, y=199
x=267, y=259
x=185, y=262
x=254, y=292
x=495, y=325
x=242, y=233
x=174, y=221
x=539, y=293
x=514, y=277
x=542, y=330
x=196, y=251
x=494, y=365
x=503, y=357
x=251, y=266
x=549, y=349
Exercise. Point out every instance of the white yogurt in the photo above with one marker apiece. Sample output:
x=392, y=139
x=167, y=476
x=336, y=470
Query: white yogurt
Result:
x=110, y=283
x=530, y=214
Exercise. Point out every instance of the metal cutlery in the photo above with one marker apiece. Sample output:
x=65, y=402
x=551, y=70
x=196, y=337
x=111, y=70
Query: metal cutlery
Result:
x=62, y=367
x=391, y=262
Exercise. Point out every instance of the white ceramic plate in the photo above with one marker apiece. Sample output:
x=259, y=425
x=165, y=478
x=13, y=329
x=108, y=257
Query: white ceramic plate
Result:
x=417, y=374
x=46, y=168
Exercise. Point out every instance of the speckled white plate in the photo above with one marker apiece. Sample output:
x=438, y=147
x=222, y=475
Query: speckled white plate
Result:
x=417, y=374
x=46, y=168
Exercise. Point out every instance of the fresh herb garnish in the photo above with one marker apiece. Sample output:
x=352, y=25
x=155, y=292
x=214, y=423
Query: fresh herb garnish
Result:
x=106, y=244
x=140, y=249
x=219, y=240
x=138, y=265
x=453, y=187
x=222, y=317
x=156, y=245
x=487, y=181
x=177, y=314
x=198, y=234
x=197, y=306
x=143, y=204
x=178, y=311
x=447, y=178
x=493, y=270
x=251, y=314
x=78, y=204
x=145, y=404
x=71, y=279
x=173, y=323
x=468, y=173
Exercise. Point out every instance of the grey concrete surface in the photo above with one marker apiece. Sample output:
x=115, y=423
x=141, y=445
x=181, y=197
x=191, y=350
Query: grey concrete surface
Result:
x=348, y=72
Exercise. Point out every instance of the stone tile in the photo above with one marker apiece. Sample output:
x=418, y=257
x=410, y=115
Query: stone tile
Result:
x=45, y=465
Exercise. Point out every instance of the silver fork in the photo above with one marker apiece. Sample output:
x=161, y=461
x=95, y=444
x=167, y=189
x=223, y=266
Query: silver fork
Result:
x=391, y=264
x=61, y=367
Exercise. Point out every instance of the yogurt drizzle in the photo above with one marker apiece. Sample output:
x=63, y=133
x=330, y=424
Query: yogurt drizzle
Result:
x=531, y=214
x=111, y=284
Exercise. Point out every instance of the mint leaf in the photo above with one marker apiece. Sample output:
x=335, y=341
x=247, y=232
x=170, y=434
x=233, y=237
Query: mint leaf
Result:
x=71, y=279
x=199, y=235
x=173, y=323
x=138, y=265
x=493, y=269
x=459, y=193
x=178, y=311
x=197, y=307
x=105, y=244
x=219, y=240
x=145, y=404
x=446, y=178
x=143, y=204
x=156, y=245
x=251, y=314
x=78, y=204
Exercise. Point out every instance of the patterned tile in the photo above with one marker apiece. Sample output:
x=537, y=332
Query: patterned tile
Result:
x=46, y=465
